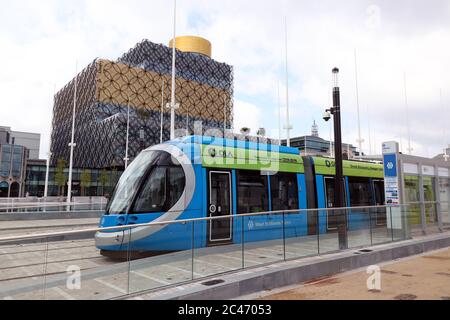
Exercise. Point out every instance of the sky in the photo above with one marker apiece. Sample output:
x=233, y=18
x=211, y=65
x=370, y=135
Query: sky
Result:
x=394, y=42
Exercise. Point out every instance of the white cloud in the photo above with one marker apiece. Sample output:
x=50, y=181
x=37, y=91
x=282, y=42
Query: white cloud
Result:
x=41, y=40
x=246, y=115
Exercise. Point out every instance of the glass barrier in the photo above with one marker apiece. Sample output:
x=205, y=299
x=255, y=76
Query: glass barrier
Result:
x=217, y=249
x=328, y=237
x=379, y=220
x=263, y=239
x=68, y=265
x=300, y=236
x=155, y=264
x=445, y=211
x=359, y=227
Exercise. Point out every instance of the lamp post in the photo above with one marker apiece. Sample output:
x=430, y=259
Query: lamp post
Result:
x=173, y=105
x=72, y=143
x=339, y=177
x=126, y=159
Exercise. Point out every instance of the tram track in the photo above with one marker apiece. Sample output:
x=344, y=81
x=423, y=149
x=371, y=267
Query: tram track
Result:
x=32, y=269
x=43, y=250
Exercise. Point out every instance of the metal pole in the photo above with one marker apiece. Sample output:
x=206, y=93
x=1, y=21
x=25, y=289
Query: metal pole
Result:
x=49, y=154
x=162, y=111
x=126, y=159
x=172, y=100
x=407, y=116
x=360, y=140
x=72, y=143
x=279, y=112
x=338, y=185
x=288, y=126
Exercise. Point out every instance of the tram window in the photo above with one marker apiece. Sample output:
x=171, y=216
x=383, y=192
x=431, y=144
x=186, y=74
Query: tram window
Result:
x=252, y=192
x=176, y=185
x=284, y=191
x=379, y=192
x=360, y=192
x=163, y=188
x=153, y=196
x=329, y=191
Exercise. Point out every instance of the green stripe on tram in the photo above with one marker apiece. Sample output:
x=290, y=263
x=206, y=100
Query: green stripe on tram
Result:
x=351, y=168
x=248, y=159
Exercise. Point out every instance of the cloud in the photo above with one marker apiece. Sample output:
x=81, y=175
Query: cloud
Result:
x=246, y=115
x=41, y=40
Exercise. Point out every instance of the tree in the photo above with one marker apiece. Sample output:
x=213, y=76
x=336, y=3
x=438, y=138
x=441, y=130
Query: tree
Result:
x=85, y=181
x=104, y=179
x=114, y=178
x=60, y=177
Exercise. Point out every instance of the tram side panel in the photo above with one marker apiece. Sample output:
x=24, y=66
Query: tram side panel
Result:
x=270, y=226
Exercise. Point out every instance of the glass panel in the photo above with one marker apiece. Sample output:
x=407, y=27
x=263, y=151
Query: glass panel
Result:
x=298, y=243
x=25, y=269
x=263, y=239
x=163, y=258
x=221, y=257
x=328, y=233
x=359, y=227
x=429, y=186
x=380, y=231
x=412, y=198
x=444, y=188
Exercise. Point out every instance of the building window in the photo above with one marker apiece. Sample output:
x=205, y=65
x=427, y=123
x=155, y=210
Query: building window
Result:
x=6, y=161
x=284, y=191
x=252, y=190
x=4, y=189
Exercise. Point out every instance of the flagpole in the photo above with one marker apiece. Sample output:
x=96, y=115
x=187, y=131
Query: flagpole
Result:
x=173, y=105
x=72, y=142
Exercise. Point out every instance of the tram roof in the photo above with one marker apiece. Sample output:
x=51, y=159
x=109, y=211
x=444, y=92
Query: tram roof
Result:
x=235, y=143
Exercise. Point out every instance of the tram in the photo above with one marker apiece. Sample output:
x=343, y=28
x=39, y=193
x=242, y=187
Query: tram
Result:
x=197, y=177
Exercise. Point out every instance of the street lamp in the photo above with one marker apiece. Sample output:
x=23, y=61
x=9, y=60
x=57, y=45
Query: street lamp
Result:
x=339, y=177
x=126, y=159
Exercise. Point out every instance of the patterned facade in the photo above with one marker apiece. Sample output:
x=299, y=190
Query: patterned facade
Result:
x=139, y=82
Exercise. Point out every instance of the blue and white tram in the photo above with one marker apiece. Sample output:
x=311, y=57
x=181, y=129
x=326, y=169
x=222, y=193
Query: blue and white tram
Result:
x=198, y=177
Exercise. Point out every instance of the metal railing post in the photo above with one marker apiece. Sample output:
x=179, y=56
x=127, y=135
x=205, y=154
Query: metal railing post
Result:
x=44, y=271
x=193, y=250
x=284, y=237
x=318, y=232
x=392, y=225
x=129, y=261
x=371, y=229
x=243, y=242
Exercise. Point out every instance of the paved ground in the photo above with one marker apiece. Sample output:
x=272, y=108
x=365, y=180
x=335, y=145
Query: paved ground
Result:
x=425, y=277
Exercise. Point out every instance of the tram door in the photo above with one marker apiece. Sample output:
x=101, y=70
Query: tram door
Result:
x=380, y=217
x=220, y=204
